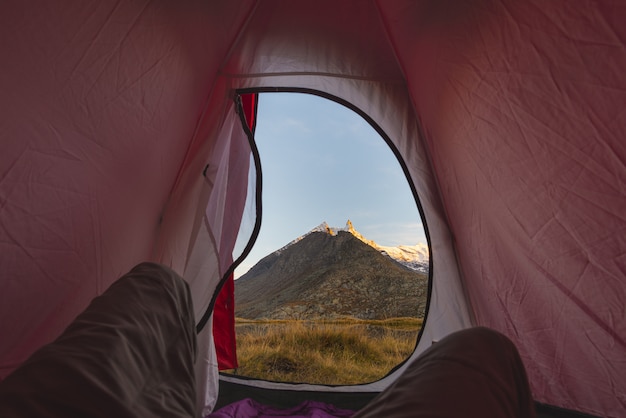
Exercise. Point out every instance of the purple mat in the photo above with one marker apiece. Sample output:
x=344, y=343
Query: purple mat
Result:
x=248, y=408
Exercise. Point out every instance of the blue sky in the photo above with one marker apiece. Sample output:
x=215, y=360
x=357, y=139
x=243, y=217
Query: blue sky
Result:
x=323, y=162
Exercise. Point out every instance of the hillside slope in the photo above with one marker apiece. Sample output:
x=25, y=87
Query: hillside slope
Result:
x=325, y=276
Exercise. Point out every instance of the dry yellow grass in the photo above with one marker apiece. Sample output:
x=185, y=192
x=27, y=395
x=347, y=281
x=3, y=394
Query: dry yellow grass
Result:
x=345, y=351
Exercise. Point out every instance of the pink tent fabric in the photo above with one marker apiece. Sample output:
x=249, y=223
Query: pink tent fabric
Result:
x=508, y=114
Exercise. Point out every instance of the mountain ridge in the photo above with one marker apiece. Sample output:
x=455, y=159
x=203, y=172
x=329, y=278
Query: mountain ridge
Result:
x=415, y=257
x=329, y=274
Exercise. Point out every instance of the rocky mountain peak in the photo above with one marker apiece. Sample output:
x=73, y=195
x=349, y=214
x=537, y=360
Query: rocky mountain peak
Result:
x=330, y=273
x=415, y=257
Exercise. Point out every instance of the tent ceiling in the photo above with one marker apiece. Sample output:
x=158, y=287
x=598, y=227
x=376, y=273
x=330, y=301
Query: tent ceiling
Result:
x=510, y=116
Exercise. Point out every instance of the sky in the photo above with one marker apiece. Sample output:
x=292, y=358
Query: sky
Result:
x=322, y=162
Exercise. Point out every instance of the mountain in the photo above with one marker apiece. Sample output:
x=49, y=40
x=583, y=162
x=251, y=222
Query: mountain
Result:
x=415, y=257
x=328, y=273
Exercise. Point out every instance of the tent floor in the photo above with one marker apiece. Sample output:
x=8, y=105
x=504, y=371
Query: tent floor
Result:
x=233, y=392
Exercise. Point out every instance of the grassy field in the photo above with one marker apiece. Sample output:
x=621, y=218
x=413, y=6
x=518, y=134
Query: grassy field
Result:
x=345, y=351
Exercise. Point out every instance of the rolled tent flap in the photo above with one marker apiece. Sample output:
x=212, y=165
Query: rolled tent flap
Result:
x=224, y=326
x=224, y=309
x=225, y=178
x=249, y=103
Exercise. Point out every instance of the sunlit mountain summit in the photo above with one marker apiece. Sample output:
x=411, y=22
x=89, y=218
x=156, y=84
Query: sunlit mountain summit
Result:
x=414, y=257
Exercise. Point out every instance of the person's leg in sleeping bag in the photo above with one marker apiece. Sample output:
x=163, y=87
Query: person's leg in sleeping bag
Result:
x=130, y=353
x=472, y=373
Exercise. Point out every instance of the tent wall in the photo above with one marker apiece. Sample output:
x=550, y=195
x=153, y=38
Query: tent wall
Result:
x=100, y=104
x=522, y=105
x=508, y=114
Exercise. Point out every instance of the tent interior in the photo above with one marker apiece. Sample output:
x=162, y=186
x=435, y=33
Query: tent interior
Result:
x=122, y=142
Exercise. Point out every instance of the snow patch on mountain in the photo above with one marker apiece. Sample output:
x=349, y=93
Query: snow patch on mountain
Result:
x=414, y=257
